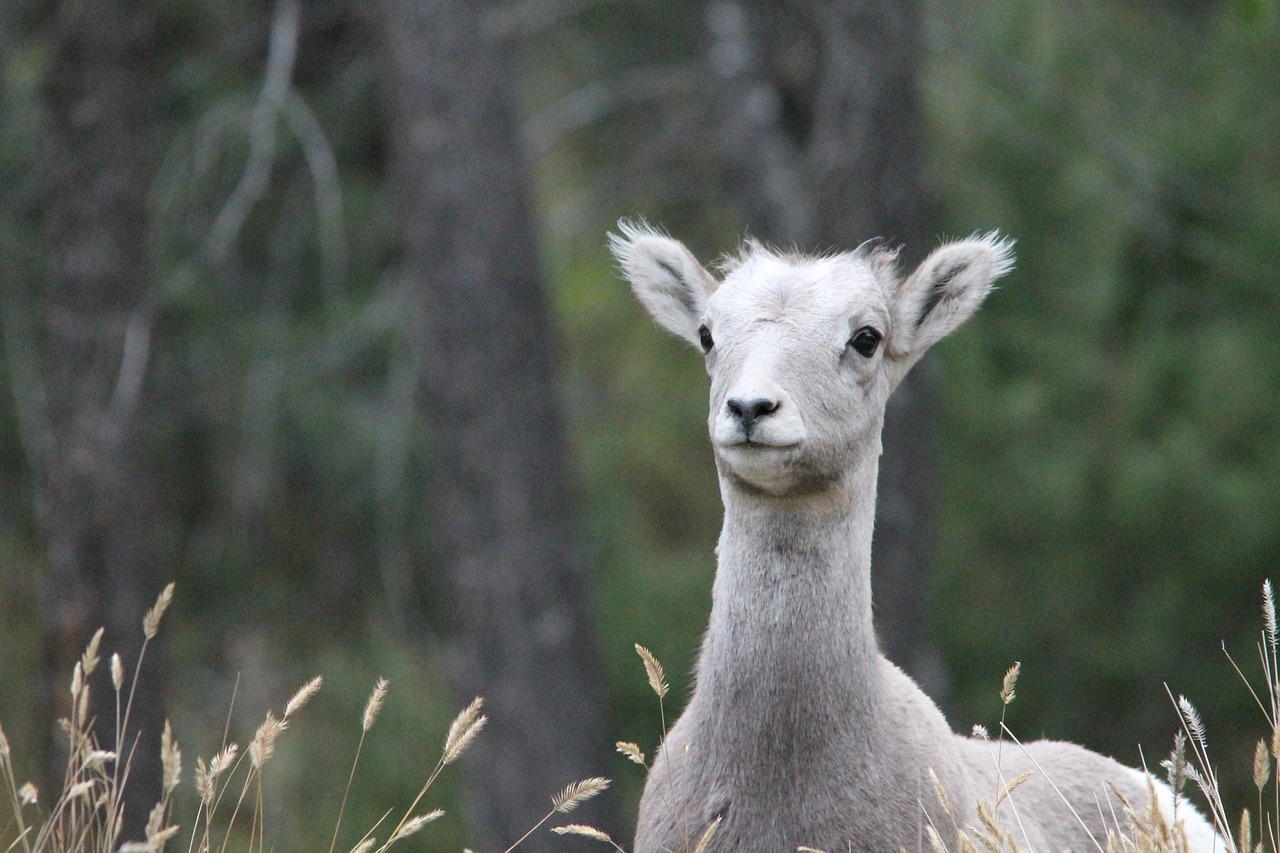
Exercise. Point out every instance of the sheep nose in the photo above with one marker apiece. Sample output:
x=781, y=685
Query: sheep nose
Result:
x=749, y=411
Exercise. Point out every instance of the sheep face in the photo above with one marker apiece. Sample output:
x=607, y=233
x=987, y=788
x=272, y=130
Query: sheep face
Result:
x=799, y=374
x=803, y=352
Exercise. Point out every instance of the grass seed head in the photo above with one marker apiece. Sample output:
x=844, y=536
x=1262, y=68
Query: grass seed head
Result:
x=374, y=705
x=82, y=706
x=223, y=760
x=1013, y=786
x=463, y=730
x=1246, y=832
x=154, y=844
x=415, y=824
x=987, y=817
x=264, y=742
x=653, y=669
x=941, y=793
x=1010, y=682
x=1175, y=765
x=155, y=821
x=90, y=657
x=77, y=681
x=631, y=751
x=1191, y=717
x=303, y=696
x=1269, y=612
x=151, y=621
x=162, y=837
x=577, y=793
x=1261, y=765
x=707, y=835
x=365, y=846
x=117, y=672
x=1194, y=775
x=79, y=789
x=204, y=782
x=583, y=830
x=170, y=759
x=97, y=758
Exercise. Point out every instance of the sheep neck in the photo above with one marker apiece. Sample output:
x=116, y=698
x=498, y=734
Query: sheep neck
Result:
x=791, y=652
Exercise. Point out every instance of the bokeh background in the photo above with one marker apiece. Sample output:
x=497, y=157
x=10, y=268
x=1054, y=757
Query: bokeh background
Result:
x=307, y=307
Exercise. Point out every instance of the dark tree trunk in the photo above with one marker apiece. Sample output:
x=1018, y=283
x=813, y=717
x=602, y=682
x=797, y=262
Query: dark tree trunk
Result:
x=514, y=573
x=820, y=132
x=96, y=489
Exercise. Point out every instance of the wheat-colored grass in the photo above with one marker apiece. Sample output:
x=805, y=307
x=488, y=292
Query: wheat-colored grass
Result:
x=229, y=788
x=577, y=793
x=463, y=730
x=653, y=669
x=584, y=831
x=84, y=816
x=632, y=752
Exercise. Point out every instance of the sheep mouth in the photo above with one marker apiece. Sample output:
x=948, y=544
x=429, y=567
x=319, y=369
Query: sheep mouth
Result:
x=756, y=445
x=760, y=457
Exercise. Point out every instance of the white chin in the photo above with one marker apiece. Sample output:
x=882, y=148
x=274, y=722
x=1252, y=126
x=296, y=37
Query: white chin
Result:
x=765, y=466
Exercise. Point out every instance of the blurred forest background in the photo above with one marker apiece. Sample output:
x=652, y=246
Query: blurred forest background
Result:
x=307, y=307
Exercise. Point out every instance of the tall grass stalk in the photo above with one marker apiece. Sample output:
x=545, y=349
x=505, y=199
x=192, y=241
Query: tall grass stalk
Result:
x=367, y=719
x=658, y=683
x=86, y=816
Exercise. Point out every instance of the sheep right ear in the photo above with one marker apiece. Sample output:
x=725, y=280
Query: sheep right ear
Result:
x=665, y=276
x=944, y=290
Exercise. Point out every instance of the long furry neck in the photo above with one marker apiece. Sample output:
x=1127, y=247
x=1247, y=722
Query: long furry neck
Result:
x=790, y=651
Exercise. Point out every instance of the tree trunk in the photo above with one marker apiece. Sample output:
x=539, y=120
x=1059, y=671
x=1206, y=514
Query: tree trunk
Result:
x=499, y=483
x=96, y=490
x=826, y=158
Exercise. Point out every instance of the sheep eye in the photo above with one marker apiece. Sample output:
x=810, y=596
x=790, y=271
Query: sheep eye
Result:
x=865, y=341
x=704, y=337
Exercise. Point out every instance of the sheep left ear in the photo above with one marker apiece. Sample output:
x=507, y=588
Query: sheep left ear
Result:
x=944, y=291
x=665, y=276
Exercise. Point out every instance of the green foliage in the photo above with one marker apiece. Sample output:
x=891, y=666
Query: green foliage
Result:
x=1111, y=460
x=650, y=501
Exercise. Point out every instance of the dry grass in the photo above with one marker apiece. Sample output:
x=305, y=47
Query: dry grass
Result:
x=229, y=788
x=86, y=815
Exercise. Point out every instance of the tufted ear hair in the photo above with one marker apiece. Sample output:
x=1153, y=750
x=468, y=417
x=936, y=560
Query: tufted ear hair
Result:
x=665, y=276
x=944, y=290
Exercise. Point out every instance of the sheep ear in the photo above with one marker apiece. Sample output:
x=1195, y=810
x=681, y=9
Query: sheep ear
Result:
x=665, y=276
x=944, y=290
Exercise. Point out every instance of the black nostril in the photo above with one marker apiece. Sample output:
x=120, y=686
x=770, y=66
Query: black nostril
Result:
x=750, y=411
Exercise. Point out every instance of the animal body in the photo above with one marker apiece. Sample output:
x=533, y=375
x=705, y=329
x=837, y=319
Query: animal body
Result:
x=799, y=732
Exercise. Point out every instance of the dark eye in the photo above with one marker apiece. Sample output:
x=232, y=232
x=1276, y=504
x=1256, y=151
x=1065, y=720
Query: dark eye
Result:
x=704, y=337
x=865, y=341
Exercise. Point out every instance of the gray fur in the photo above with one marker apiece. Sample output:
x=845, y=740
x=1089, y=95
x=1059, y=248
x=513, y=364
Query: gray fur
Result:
x=799, y=732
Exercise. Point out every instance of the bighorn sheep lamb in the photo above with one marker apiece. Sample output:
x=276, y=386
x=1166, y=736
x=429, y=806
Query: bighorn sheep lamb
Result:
x=799, y=732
